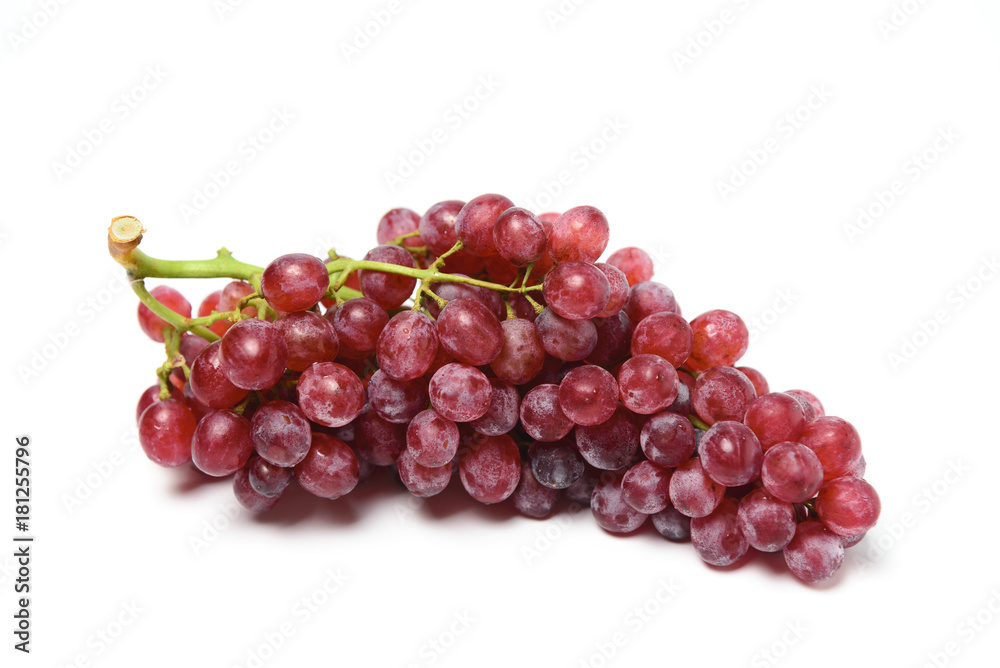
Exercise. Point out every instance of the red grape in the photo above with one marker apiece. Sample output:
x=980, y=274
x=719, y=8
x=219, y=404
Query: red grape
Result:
x=420, y=480
x=377, y=440
x=811, y=400
x=210, y=385
x=815, y=553
x=460, y=392
x=646, y=487
x=671, y=524
x=396, y=400
x=475, y=222
x=614, y=336
x=692, y=492
x=470, y=332
x=611, y=444
x=634, y=262
x=647, y=383
x=647, y=298
x=503, y=412
x=407, y=346
x=431, y=439
x=667, y=439
x=280, y=433
x=153, y=324
x=588, y=395
x=358, y=323
x=330, y=469
x=717, y=536
x=848, y=506
x=541, y=416
x=610, y=509
x=294, y=282
x=557, y=465
x=221, y=444
x=791, y=472
x=247, y=496
x=730, y=454
x=757, y=378
x=165, y=432
x=837, y=444
x=387, y=290
x=330, y=394
x=774, y=418
x=531, y=498
x=665, y=334
x=722, y=393
x=309, y=338
x=396, y=223
x=519, y=236
x=720, y=339
x=490, y=468
x=437, y=226
x=253, y=354
x=580, y=234
x=521, y=355
x=266, y=478
x=568, y=340
x=767, y=523
x=576, y=290
x=618, y=295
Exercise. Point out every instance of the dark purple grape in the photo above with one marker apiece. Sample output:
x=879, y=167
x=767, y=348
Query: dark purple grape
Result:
x=533, y=499
x=611, y=444
x=557, y=465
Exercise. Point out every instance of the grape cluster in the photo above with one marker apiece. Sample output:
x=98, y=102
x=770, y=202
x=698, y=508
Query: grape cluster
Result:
x=524, y=367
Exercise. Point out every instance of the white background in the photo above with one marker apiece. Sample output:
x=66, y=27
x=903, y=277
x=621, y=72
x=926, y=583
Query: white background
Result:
x=120, y=538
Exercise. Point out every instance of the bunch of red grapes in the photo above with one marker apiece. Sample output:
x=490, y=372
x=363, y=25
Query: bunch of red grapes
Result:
x=567, y=379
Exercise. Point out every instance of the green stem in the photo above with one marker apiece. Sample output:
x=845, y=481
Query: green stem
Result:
x=698, y=422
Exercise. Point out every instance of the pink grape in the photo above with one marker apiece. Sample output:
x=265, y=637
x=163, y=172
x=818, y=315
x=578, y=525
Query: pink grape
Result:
x=568, y=340
x=396, y=223
x=611, y=510
x=423, y=481
x=432, y=440
x=329, y=470
x=165, y=432
x=731, y=454
x=634, y=262
x=557, y=465
x=151, y=396
x=521, y=356
x=810, y=399
x=210, y=385
x=266, y=478
x=231, y=296
x=692, y=492
x=614, y=335
x=450, y=291
x=791, y=472
x=647, y=298
x=153, y=324
x=330, y=394
x=757, y=378
x=848, y=506
x=837, y=444
x=396, y=400
x=815, y=553
x=280, y=433
x=588, y=395
x=541, y=416
x=579, y=235
x=519, y=236
x=490, y=468
x=667, y=439
x=722, y=393
x=460, y=392
x=309, y=338
x=767, y=523
x=720, y=339
x=253, y=354
x=774, y=418
x=209, y=305
x=647, y=384
x=646, y=487
x=531, y=498
x=294, y=282
x=377, y=440
x=470, y=332
x=437, y=226
x=407, y=346
x=503, y=412
x=671, y=524
x=665, y=334
x=387, y=290
x=717, y=536
x=475, y=223
x=577, y=290
x=611, y=444
x=247, y=496
x=221, y=444
x=619, y=288
x=358, y=323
